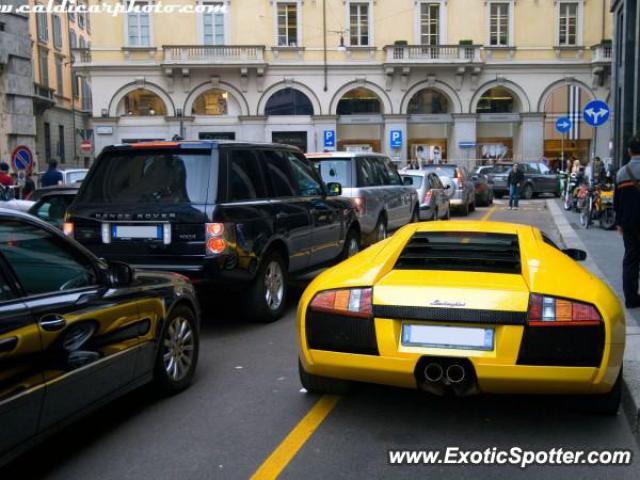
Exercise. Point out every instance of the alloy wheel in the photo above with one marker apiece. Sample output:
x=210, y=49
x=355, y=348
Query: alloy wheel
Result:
x=178, y=349
x=353, y=247
x=274, y=285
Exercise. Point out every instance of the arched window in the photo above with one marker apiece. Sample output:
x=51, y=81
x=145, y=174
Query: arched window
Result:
x=497, y=100
x=289, y=101
x=211, y=102
x=428, y=101
x=359, y=101
x=143, y=102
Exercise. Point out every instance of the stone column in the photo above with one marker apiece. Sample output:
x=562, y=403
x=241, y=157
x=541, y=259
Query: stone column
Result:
x=462, y=139
x=530, y=145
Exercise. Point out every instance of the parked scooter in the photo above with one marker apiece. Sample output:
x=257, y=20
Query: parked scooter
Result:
x=570, y=184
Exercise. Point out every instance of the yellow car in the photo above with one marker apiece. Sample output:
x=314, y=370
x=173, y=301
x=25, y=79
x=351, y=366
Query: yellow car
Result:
x=462, y=308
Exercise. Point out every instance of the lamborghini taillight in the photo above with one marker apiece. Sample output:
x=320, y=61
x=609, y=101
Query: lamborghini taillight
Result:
x=548, y=311
x=354, y=302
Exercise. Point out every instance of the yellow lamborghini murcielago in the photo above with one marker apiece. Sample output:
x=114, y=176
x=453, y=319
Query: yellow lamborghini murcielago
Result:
x=461, y=308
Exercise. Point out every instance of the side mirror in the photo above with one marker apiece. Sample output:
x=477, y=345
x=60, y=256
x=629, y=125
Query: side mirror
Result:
x=407, y=181
x=334, y=189
x=576, y=254
x=120, y=274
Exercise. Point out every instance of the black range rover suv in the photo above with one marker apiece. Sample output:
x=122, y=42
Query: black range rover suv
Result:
x=236, y=215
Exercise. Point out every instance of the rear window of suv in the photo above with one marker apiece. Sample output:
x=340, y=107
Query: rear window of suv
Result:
x=149, y=176
x=335, y=170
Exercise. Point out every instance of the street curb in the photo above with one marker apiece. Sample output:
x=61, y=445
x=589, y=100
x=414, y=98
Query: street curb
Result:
x=631, y=373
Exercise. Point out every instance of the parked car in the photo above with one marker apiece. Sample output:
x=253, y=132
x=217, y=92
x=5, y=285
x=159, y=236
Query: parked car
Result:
x=482, y=185
x=240, y=215
x=77, y=331
x=432, y=195
x=52, y=203
x=70, y=176
x=464, y=198
x=375, y=188
x=538, y=178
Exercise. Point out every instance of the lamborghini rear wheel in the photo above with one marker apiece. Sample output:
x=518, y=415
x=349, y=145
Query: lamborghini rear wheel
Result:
x=605, y=403
x=318, y=384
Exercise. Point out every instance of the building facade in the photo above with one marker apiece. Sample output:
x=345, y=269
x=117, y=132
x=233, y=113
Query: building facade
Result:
x=62, y=100
x=626, y=75
x=17, y=125
x=461, y=79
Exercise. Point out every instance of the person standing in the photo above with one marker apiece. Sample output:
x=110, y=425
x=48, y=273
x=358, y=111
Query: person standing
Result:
x=5, y=178
x=514, y=180
x=52, y=176
x=626, y=203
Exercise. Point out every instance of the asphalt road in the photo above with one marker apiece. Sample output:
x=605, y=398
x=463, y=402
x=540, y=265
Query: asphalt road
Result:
x=246, y=399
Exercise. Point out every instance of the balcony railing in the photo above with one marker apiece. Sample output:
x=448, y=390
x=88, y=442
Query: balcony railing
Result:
x=43, y=92
x=206, y=54
x=81, y=56
x=432, y=53
x=601, y=52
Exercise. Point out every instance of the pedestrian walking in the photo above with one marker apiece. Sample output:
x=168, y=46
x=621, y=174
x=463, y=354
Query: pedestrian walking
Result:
x=514, y=180
x=52, y=176
x=626, y=203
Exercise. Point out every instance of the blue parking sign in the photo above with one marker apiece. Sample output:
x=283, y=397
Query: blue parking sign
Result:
x=329, y=139
x=395, y=138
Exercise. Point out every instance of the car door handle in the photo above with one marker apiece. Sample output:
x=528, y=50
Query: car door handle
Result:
x=52, y=323
x=8, y=344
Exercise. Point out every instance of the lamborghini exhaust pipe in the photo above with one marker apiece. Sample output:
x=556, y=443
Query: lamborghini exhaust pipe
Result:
x=455, y=374
x=433, y=372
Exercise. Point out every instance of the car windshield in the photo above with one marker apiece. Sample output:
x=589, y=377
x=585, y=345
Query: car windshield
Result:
x=337, y=170
x=73, y=177
x=149, y=176
x=501, y=169
x=416, y=180
x=446, y=170
x=483, y=170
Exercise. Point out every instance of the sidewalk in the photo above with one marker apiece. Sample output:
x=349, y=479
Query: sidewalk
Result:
x=605, y=250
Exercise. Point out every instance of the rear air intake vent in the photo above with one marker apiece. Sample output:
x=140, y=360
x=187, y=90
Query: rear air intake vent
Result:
x=462, y=252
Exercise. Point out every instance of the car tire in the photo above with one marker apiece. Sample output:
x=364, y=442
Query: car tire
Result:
x=268, y=294
x=415, y=216
x=472, y=206
x=527, y=192
x=351, y=242
x=604, y=403
x=380, y=232
x=179, y=337
x=317, y=384
x=498, y=195
x=465, y=210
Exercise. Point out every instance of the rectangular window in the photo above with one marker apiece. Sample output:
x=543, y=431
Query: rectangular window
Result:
x=72, y=16
x=59, y=76
x=568, y=27
x=499, y=25
x=81, y=17
x=430, y=23
x=44, y=67
x=244, y=177
x=61, y=143
x=74, y=86
x=86, y=95
x=47, y=141
x=57, y=32
x=359, y=24
x=287, y=24
x=213, y=26
x=42, y=25
x=138, y=34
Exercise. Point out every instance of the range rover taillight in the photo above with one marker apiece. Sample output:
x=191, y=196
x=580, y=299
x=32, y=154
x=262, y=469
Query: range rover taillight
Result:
x=68, y=229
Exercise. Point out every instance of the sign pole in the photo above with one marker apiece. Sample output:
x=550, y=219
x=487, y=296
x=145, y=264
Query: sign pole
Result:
x=562, y=152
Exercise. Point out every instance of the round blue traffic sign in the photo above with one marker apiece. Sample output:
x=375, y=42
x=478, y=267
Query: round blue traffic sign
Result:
x=596, y=113
x=563, y=124
x=22, y=158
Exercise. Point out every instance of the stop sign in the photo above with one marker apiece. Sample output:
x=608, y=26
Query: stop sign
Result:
x=85, y=146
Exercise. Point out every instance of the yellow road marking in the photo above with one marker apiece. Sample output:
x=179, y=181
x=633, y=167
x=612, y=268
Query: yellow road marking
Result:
x=487, y=215
x=289, y=447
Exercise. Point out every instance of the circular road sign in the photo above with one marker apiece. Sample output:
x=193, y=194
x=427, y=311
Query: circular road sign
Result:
x=563, y=124
x=596, y=113
x=22, y=158
x=85, y=146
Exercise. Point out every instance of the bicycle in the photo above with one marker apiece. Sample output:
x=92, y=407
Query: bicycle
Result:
x=588, y=209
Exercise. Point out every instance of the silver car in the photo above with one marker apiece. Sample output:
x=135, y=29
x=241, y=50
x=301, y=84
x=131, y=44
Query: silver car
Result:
x=464, y=198
x=371, y=180
x=432, y=193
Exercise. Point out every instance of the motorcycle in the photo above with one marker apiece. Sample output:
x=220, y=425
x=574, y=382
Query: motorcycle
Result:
x=586, y=195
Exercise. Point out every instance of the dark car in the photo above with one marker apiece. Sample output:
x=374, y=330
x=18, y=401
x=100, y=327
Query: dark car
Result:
x=76, y=332
x=538, y=178
x=52, y=203
x=482, y=185
x=228, y=214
